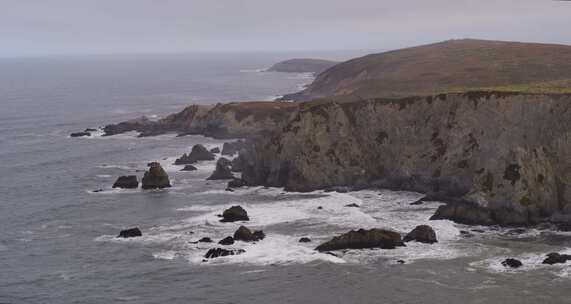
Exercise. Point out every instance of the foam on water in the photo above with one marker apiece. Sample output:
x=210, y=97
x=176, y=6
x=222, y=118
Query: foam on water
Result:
x=530, y=261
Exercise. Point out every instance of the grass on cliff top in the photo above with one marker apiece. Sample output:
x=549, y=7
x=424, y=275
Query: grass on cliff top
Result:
x=557, y=86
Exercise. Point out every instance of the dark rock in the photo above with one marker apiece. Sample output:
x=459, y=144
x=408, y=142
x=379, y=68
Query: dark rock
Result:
x=90, y=130
x=319, y=208
x=205, y=240
x=353, y=205
x=401, y=262
x=304, y=240
x=417, y=202
x=80, y=134
x=155, y=177
x=127, y=182
x=478, y=230
x=233, y=214
x=227, y=241
x=359, y=239
x=198, y=153
x=512, y=263
x=220, y=252
x=215, y=150
x=239, y=162
x=189, y=168
x=422, y=234
x=464, y=214
x=222, y=170
x=129, y=233
x=246, y=235
x=229, y=189
x=556, y=258
x=97, y=190
x=236, y=183
x=231, y=148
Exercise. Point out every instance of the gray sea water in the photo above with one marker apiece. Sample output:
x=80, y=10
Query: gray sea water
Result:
x=58, y=238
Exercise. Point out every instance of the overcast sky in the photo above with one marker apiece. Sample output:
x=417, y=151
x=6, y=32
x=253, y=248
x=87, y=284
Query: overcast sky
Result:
x=38, y=27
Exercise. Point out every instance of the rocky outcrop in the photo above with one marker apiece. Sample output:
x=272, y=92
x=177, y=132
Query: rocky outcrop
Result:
x=231, y=148
x=80, y=134
x=556, y=258
x=512, y=263
x=129, y=233
x=227, y=241
x=189, y=168
x=302, y=65
x=360, y=239
x=222, y=170
x=234, y=214
x=198, y=153
x=246, y=235
x=304, y=240
x=498, y=158
x=155, y=178
x=215, y=150
x=126, y=182
x=422, y=234
x=221, y=252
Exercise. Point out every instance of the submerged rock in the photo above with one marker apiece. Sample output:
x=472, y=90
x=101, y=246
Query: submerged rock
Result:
x=205, y=240
x=246, y=235
x=220, y=252
x=129, y=233
x=155, y=177
x=359, y=239
x=231, y=148
x=512, y=263
x=556, y=258
x=80, y=134
x=126, y=182
x=233, y=214
x=227, y=241
x=304, y=240
x=222, y=170
x=189, y=168
x=422, y=234
x=198, y=153
x=353, y=205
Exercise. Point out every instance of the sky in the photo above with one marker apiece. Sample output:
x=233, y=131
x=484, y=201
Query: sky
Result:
x=44, y=27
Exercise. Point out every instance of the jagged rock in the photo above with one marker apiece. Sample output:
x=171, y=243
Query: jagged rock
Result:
x=155, y=177
x=222, y=170
x=227, y=241
x=233, y=214
x=359, y=239
x=422, y=234
x=236, y=183
x=556, y=258
x=189, y=168
x=231, y=148
x=512, y=263
x=353, y=205
x=129, y=233
x=239, y=162
x=215, y=150
x=220, y=252
x=126, y=182
x=304, y=240
x=198, y=153
x=80, y=134
x=246, y=235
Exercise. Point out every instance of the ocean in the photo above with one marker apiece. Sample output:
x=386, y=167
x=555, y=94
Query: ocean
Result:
x=58, y=234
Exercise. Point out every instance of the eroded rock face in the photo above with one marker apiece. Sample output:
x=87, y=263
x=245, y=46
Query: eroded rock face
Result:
x=220, y=252
x=234, y=214
x=360, y=239
x=198, y=153
x=127, y=182
x=246, y=235
x=155, y=178
x=222, y=170
x=422, y=234
x=129, y=233
x=496, y=151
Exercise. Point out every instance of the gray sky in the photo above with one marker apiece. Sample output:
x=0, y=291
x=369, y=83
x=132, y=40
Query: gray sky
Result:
x=38, y=27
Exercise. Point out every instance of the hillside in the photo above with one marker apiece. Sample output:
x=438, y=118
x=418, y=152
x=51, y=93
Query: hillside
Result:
x=302, y=65
x=454, y=65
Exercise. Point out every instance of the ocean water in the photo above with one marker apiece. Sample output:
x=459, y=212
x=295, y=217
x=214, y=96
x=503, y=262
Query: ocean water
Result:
x=58, y=237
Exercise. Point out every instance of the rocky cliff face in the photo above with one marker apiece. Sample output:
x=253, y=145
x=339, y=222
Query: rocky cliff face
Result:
x=230, y=120
x=505, y=152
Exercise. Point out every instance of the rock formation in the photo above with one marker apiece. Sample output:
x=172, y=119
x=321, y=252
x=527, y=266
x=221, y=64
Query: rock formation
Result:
x=234, y=214
x=360, y=239
x=227, y=241
x=222, y=170
x=246, y=235
x=189, y=168
x=129, y=233
x=220, y=252
x=556, y=258
x=422, y=234
x=512, y=263
x=198, y=153
x=126, y=182
x=155, y=177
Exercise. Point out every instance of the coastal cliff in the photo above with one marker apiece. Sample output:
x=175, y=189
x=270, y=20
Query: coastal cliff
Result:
x=504, y=153
x=302, y=65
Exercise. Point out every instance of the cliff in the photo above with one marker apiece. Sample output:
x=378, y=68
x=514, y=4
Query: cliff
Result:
x=505, y=153
x=229, y=120
x=302, y=65
x=442, y=67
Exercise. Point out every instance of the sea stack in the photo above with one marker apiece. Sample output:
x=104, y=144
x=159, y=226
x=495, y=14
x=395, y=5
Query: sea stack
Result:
x=156, y=177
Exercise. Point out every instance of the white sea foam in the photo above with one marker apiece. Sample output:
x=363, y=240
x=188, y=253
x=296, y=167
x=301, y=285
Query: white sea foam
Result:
x=530, y=261
x=165, y=255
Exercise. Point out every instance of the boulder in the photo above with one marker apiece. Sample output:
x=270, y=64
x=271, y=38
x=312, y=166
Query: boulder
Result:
x=126, y=182
x=205, y=240
x=512, y=263
x=231, y=148
x=215, y=150
x=359, y=239
x=198, y=153
x=233, y=214
x=304, y=240
x=155, y=177
x=80, y=134
x=220, y=252
x=236, y=183
x=227, y=241
x=129, y=233
x=222, y=170
x=422, y=234
x=246, y=235
x=556, y=258
x=189, y=168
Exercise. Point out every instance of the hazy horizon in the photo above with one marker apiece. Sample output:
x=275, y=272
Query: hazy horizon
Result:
x=68, y=27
